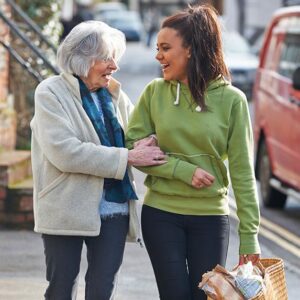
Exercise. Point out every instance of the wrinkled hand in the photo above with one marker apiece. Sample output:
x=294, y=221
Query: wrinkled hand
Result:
x=254, y=258
x=142, y=156
x=202, y=179
x=148, y=141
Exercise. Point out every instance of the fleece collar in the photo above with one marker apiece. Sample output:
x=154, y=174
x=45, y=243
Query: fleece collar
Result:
x=114, y=87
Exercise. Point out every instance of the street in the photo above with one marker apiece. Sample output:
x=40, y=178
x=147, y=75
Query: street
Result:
x=22, y=270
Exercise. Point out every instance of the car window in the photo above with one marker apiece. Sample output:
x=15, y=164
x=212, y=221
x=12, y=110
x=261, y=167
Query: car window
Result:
x=290, y=55
x=130, y=19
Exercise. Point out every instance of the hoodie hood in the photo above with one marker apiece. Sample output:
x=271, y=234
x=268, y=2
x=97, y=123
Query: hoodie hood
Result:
x=214, y=84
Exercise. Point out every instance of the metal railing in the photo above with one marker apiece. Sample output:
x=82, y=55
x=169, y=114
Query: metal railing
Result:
x=15, y=29
x=22, y=62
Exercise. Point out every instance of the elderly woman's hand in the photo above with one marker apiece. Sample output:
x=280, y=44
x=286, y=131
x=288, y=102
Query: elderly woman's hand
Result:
x=150, y=140
x=201, y=179
x=144, y=155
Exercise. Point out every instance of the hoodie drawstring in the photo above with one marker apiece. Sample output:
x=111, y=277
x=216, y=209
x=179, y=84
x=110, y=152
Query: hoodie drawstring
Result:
x=176, y=102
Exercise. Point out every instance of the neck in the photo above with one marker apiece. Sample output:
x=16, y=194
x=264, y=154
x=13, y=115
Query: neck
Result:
x=185, y=82
x=89, y=85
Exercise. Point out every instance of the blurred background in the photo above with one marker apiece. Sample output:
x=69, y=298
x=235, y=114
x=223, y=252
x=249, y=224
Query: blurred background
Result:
x=31, y=30
x=262, y=51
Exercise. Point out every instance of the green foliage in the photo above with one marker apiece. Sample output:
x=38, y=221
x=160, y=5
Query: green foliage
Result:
x=46, y=14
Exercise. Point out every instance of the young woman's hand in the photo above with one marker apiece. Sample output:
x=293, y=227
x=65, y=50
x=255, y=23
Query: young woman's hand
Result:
x=202, y=179
x=254, y=258
x=144, y=155
x=150, y=140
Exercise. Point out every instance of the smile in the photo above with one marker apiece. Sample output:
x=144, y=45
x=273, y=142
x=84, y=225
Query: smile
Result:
x=164, y=66
x=107, y=75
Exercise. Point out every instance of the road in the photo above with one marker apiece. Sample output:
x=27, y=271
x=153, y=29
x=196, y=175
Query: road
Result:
x=22, y=268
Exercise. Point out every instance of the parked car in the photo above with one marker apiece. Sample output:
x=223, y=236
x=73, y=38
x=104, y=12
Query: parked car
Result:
x=242, y=63
x=277, y=109
x=103, y=9
x=128, y=22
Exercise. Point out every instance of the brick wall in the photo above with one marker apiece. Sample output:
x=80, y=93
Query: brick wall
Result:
x=16, y=208
x=4, y=57
x=8, y=122
x=3, y=73
x=8, y=128
x=15, y=203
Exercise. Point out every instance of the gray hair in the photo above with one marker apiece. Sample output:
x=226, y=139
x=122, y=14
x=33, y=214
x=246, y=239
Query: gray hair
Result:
x=88, y=42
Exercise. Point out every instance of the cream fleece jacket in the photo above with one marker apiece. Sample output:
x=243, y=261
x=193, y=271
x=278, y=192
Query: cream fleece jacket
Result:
x=68, y=161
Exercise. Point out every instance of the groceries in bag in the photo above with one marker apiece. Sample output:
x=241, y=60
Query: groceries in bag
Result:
x=242, y=283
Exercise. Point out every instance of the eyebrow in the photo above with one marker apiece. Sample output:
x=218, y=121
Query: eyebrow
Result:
x=163, y=44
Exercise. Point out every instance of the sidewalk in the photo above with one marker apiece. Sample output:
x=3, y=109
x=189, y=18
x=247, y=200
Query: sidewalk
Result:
x=22, y=268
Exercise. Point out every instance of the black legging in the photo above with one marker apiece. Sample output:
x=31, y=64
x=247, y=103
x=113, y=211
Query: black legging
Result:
x=182, y=248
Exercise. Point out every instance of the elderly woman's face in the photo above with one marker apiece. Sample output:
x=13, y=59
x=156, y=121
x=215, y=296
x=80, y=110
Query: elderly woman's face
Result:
x=100, y=74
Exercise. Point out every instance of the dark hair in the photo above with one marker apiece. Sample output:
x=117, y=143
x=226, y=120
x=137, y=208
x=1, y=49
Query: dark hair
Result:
x=200, y=30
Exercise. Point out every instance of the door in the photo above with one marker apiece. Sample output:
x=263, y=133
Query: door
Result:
x=288, y=149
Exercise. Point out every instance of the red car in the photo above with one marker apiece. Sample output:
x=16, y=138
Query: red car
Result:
x=276, y=96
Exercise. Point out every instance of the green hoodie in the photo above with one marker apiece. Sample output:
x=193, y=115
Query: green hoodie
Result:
x=194, y=139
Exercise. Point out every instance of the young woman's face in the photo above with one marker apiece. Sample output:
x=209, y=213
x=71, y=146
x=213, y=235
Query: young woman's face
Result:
x=172, y=56
x=100, y=74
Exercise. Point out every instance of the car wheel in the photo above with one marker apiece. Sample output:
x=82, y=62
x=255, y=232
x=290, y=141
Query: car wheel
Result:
x=270, y=196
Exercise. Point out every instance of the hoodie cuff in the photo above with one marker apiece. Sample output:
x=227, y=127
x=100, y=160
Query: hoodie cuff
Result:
x=249, y=244
x=184, y=171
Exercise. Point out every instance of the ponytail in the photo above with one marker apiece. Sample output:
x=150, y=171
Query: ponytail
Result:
x=200, y=30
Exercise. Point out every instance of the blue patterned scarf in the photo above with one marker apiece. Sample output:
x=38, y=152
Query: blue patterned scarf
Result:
x=110, y=134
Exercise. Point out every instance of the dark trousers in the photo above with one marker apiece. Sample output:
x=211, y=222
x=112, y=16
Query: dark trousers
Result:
x=182, y=248
x=104, y=257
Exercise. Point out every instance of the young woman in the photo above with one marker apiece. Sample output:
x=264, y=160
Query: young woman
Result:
x=199, y=120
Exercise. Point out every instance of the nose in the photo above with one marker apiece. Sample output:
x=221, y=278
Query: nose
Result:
x=113, y=64
x=158, y=56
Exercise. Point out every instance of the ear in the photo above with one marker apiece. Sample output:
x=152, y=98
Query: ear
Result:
x=188, y=52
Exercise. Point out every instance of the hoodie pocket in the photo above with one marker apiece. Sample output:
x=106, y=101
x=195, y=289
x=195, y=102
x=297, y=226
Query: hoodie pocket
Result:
x=175, y=187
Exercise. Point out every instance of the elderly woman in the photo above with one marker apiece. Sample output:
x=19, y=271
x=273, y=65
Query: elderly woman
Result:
x=83, y=187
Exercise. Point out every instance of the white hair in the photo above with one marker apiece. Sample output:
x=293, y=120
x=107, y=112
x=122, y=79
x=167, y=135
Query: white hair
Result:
x=88, y=42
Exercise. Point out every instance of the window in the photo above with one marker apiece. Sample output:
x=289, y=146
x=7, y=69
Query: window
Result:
x=290, y=55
